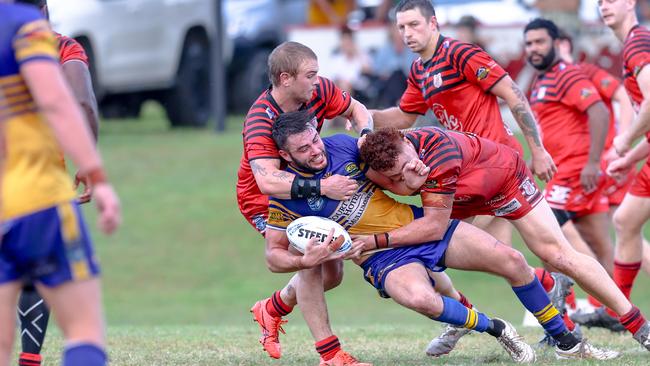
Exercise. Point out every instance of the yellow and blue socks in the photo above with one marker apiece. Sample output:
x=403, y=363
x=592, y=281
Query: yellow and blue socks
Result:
x=534, y=298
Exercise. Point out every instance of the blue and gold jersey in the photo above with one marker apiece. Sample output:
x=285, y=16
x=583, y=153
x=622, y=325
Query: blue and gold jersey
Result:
x=33, y=177
x=369, y=211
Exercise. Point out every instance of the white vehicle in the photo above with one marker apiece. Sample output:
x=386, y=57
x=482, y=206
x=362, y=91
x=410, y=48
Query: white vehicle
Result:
x=145, y=49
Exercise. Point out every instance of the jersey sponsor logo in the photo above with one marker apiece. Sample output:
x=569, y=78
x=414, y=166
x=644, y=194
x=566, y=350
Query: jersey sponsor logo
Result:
x=437, y=80
x=510, y=207
x=431, y=184
x=270, y=113
x=315, y=203
x=586, y=93
x=496, y=199
x=277, y=216
x=482, y=73
x=352, y=209
x=449, y=121
x=541, y=93
x=558, y=194
x=259, y=222
x=462, y=198
x=528, y=188
x=352, y=169
x=445, y=44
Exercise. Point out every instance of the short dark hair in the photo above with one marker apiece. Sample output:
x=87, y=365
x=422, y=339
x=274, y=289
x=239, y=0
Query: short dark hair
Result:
x=289, y=124
x=425, y=6
x=381, y=148
x=39, y=3
x=564, y=36
x=541, y=23
x=288, y=57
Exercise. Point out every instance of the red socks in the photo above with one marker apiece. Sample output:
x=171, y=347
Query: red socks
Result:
x=463, y=300
x=328, y=347
x=624, y=275
x=633, y=320
x=276, y=307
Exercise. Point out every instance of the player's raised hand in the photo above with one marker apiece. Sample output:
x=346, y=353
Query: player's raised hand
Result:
x=317, y=253
x=108, y=205
x=338, y=187
x=543, y=166
x=589, y=176
x=619, y=168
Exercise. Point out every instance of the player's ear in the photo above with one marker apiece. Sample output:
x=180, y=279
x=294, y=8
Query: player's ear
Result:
x=285, y=155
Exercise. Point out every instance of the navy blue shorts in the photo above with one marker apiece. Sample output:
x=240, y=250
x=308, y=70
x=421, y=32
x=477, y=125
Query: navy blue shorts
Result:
x=50, y=246
x=431, y=255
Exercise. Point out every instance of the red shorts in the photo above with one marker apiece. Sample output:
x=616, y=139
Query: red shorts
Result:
x=641, y=185
x=615, y=190
x=564, y=192
x=256, y=211
x=516, y=193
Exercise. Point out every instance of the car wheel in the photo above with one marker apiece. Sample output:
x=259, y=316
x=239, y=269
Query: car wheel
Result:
x=251, y=81
x=188, y=103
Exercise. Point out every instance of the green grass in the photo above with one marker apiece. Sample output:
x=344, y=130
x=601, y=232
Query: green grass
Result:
x=181, y=274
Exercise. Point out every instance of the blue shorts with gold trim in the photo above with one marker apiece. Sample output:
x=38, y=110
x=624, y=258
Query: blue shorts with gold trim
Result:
x=50, y=246
x=430, y=255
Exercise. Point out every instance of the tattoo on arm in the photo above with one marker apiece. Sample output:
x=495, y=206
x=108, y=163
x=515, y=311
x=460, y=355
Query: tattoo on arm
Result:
x=524, y=118
x=258, y=169
x=281, y=175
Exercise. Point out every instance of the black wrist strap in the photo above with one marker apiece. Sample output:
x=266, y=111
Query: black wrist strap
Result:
x=305, y=188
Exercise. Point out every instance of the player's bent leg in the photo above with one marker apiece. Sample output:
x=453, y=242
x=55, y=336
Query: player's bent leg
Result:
x=498, y=227
x=332, y=274
x=544, y=238
x=33, y=315
x=8, y=301
x=410, y=286
x=576, y=240
x=594, y=229
x=77, y=308
x=629, y=219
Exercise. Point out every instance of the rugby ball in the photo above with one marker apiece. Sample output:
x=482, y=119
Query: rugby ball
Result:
x=301, y=230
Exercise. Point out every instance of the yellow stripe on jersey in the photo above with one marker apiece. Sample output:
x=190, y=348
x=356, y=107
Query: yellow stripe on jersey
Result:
x=279, y=215
x=546, y=314
x=382, y=214
x=35, y=39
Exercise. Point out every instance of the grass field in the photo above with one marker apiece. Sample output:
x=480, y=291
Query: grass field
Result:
x=182, y=272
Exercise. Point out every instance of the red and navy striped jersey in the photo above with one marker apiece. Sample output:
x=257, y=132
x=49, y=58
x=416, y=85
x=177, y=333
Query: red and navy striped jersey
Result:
x=455, y=85
x=70, y=49
x=636, y=55
x=606, y=84
x=463, y=164
x=328, y=101
x=560, y=98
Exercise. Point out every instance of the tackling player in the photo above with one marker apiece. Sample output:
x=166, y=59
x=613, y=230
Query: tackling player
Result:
x=474, y=176
x=460, y=83
x=40, y=110
x=32, y=310
x=295, y=85
x=634, y=211
x=401, y=269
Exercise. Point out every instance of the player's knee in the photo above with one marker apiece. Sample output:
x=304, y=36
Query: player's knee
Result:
x=424, y=302
x=624, y=224
x=333, y=277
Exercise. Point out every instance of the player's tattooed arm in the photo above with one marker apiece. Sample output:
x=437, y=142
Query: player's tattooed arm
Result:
x=270, y=179
x=542, y=163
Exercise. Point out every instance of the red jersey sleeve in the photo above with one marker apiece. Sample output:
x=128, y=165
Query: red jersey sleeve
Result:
x=412, y=100
x=479, y=68
x=578, y=92
x=336, y=100
x=605, y=83
x=445, y=162
x=69, y=50
x=258, y=141
x=637, y=55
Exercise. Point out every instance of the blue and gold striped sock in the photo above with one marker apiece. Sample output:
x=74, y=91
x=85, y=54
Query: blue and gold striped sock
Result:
x=456, y=313
x=537, y=302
